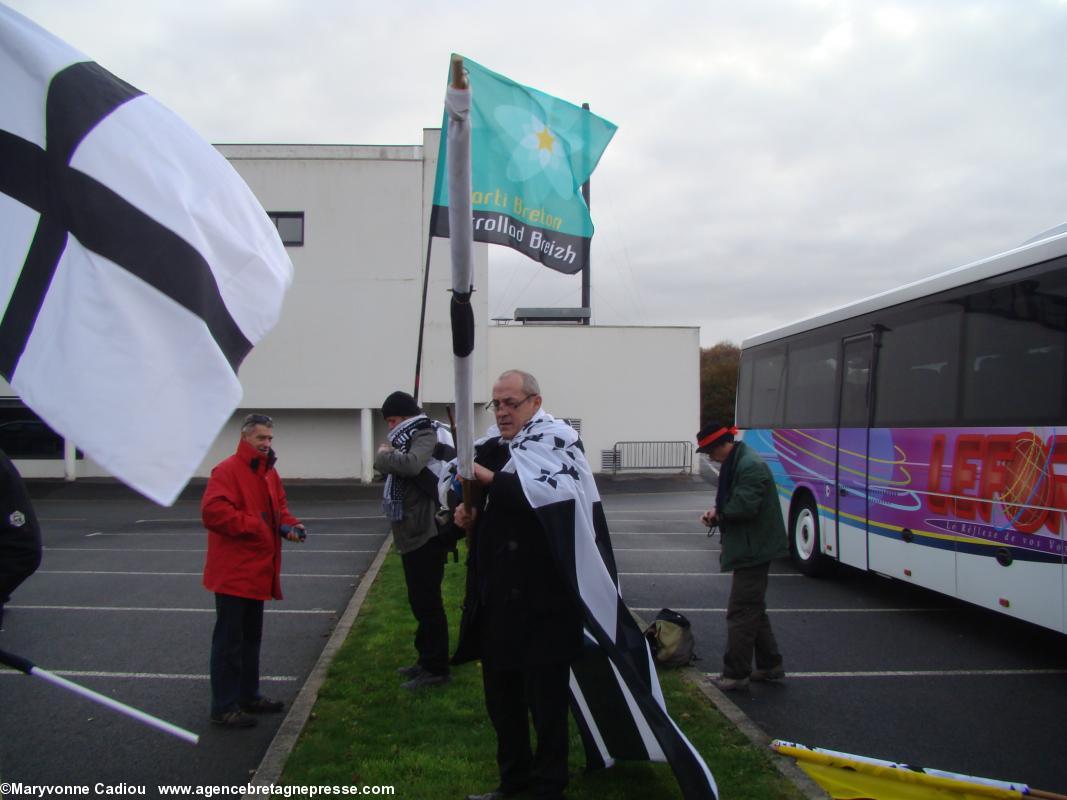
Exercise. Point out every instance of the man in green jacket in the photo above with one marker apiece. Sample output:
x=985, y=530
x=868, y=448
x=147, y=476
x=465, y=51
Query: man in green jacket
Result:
x=749, y=517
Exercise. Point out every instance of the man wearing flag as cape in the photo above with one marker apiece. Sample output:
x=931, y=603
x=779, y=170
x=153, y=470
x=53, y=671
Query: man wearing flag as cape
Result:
x=554, y=545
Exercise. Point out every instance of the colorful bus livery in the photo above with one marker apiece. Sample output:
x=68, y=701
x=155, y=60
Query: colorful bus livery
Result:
x=922, y=433
x=1013, y=473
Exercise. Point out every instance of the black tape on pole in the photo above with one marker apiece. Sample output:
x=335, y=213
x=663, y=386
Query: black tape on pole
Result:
x=16, y=662
x=462, y=325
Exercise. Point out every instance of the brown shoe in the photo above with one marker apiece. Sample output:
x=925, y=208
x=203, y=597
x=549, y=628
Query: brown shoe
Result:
x=233, y=719
x=724, y=684
x=263, y=705
x=761, y=675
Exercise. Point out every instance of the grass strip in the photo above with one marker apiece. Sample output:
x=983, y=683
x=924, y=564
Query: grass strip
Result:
x=438, y=742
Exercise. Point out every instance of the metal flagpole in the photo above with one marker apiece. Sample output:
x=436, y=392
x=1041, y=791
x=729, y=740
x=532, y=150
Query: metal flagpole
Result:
x=461, y=246
x=422, y=316
x=24, y=665
x=587, y=268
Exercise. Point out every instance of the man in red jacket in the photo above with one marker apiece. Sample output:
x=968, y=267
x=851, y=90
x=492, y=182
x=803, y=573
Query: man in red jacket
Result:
x=246, y=516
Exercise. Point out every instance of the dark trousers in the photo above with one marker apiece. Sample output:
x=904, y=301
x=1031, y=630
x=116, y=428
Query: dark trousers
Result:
x=235, y=652
x=512, y=696
x=748, y=631
x=424, y=569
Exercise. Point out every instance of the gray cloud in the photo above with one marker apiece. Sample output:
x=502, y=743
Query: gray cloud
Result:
x=773, y=159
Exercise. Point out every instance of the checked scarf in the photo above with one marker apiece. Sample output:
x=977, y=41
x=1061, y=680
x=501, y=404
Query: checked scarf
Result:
x=400, y=439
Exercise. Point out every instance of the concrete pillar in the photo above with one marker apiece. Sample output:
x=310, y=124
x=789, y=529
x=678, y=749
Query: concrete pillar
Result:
x=366, y=442
x=70, y=460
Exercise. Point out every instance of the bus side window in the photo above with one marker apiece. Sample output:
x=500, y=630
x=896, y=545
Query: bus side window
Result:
x=768, y=391
x=986, y=388
x=918, y=365
x=1015, y=337
x=1044, y=368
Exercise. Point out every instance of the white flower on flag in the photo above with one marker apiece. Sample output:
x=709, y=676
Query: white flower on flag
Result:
x=539, y=149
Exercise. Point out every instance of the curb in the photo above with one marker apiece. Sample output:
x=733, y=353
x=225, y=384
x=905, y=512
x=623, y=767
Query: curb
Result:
x=786, y=766
x=270, y=768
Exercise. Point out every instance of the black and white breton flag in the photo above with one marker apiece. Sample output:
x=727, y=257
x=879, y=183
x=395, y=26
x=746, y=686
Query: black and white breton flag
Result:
x=137, y=269
x=615, y=693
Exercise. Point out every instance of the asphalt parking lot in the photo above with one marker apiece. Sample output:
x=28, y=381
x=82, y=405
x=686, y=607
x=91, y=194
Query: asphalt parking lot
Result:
x=875, y=667
x=117, y=605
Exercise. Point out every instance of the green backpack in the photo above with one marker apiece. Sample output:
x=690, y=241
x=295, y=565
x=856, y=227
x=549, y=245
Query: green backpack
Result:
x=671, y=638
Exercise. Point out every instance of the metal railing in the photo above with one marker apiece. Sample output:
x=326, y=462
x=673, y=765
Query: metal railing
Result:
x=644, y=456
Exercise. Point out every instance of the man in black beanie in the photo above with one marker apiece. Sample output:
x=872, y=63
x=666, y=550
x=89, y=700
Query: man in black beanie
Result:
x=416, y=445
x=749, y=516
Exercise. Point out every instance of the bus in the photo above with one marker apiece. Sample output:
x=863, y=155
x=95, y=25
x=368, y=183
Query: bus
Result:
x=922, y=433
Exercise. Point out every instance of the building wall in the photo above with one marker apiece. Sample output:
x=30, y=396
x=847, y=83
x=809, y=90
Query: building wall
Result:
x=348, y=332
x=623, y=383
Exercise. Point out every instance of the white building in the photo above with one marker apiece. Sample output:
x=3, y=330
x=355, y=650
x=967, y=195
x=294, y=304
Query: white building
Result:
x=355, y=219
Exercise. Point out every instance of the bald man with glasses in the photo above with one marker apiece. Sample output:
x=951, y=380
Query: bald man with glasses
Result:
x=529, y=623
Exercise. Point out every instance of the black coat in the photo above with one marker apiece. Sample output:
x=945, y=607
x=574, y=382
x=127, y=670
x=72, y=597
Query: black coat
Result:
x=520, y=610
x=20, y=534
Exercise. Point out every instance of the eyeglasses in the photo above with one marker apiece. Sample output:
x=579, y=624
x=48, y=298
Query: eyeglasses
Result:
x=259, y=419
x=507, y=403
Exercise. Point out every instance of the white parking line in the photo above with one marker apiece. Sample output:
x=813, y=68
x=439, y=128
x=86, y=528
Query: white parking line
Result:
x=805, y=610
x=925, y=673
x=199, y=521
x=659, y=533
x=184, y=574
x=150, y=676
x=288, y=551
x=663, y=550
x=143, y=534
x=704, y=574
x=169, y=610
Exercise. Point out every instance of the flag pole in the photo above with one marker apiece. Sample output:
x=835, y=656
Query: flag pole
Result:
x=461, y=247
x=24, y=665
x=422, y=314
x=587, y=302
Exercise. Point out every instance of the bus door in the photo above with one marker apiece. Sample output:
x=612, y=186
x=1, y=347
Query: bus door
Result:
x=852, y=450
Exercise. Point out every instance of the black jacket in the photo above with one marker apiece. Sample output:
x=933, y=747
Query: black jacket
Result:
x=526, y=611
x=20, y=535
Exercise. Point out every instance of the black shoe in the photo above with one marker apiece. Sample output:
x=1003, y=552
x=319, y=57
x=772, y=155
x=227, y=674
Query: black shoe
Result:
x=233, y=719
x=424, y=679
x=409, y=672
x=263, y=705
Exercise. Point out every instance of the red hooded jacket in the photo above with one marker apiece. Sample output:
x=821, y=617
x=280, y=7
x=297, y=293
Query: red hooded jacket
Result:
x=243, y=506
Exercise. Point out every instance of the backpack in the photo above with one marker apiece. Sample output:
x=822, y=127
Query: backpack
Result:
x=671, y=638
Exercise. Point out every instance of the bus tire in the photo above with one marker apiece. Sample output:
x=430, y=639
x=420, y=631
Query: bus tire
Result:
x=805, y=541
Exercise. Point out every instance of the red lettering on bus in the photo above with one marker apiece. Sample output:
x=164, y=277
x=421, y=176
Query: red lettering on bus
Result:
x=998, y=450
x=969, y=452
x=1027, y=488
x=936, y=502
x=1058, y=480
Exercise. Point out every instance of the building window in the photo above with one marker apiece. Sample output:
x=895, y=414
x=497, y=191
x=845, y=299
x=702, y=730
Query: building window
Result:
x=290, y=225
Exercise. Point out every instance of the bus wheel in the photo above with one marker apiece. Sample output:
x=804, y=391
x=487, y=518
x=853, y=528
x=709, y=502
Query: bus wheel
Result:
x=804, y=540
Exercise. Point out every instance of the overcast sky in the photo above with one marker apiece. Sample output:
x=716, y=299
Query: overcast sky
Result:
x=773, y=159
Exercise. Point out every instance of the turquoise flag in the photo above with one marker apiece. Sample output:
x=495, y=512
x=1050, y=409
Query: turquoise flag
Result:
x=530, y=155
